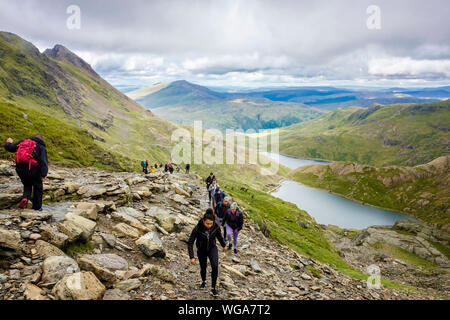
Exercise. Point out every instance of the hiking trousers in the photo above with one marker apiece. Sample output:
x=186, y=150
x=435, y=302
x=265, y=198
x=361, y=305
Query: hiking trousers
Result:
x=32, y=183
x=214, y=260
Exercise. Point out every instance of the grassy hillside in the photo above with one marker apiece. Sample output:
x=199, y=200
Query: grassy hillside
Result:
x=65, y=143
x=404, y=134
x=60, y=86
x=184, y=102
x=422, y=191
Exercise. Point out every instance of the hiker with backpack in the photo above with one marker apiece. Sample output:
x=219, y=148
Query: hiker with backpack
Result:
x=219, y=195
x=233, y=222
x=209, y=181
x=205, y=235
x=221, y=210
x=144, y=165
x=212, y=189
x=32, y=168
x=188, y=167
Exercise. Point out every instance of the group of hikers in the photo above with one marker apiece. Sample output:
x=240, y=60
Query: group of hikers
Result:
x=168, y=167
x=223, y=215
x=32, y=168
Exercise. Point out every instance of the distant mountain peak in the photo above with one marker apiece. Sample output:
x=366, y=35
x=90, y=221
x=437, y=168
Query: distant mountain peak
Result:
x=61, y=53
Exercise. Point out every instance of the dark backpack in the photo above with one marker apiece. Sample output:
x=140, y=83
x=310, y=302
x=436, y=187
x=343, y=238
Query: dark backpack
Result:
x=24, y=154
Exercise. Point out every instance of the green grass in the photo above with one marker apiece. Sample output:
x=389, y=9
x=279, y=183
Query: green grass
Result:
x=405, y=256
x=66, y=144
x=80, y=248
x=403, y=134
x=441, y=248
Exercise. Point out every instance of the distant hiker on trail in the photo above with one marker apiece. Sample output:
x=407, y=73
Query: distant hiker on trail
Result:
x=161, y=166
x=178, y=169
x=219, y=195
x=32, y=168
x=233, y=222
x=212, y=189
x=156, y=166
x=205, y=234
x=188, y=167
x=209, y=181
x=144, y=165
x=170, y=168
x=166, y=167
x=221, y=210
x=152, y=170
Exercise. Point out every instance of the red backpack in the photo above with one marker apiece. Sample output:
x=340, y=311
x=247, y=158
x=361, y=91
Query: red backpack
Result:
x=24, y=153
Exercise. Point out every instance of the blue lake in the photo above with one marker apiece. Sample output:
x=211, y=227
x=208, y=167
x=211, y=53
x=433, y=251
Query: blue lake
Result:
x=327, y=208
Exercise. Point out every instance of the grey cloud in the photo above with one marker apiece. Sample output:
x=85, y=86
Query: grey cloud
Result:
x=321, y=38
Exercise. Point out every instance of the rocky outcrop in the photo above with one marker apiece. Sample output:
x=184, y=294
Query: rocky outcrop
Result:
x=103, y=237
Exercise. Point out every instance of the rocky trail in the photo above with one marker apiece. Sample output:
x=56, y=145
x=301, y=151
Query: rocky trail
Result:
x=105, y=235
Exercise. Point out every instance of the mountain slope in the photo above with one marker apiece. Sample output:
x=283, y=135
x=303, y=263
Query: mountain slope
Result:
x=422, y=191
x=184, y=102
x=404, y=134
x=61, y=85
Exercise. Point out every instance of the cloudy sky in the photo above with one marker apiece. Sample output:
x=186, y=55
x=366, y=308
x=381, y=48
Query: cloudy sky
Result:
x=247, y=43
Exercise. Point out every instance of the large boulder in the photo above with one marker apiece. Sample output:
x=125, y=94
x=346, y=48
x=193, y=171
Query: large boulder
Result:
x=79, y=286
x=56, y=267
x=103, y=265
x=132, y=221
x=36, y=215
x=7, y=200
x=158, y=272
x=151, y=245
x=124, y=230
x=78, y=226
x=51, y=234
x=46, y=249
x=89, y=210
x=10, y=239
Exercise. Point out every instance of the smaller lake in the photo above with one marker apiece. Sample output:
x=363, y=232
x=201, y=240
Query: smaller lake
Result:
x=327, y=208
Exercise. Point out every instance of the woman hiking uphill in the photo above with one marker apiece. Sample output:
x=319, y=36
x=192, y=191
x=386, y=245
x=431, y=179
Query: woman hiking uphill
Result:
x=233, y=222
x=32, y=168
x=205, y=234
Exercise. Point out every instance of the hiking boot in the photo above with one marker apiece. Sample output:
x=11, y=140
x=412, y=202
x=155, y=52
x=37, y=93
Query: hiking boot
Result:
x=235, y=251
x=230, y=246
x=214, y=293
x=203, y=285
x=23, y=203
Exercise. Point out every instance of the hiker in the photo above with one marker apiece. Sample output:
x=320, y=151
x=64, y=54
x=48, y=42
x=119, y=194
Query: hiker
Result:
x=212, y=189
x=170, y=168
x=221, y=210
x=178, y=169
x=205, y=234
x=144, y=165
x=152, y=169
x=233, y=222
x=166, y=167
x=156, y=166
x=32, y=168
x=188, y=167
x=219, y=195
x=208, y=181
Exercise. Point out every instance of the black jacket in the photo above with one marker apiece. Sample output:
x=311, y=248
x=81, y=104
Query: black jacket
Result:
x=209, y=180
x=221, y=209
x=40, y=154
x=205, y=242
x=234, y=221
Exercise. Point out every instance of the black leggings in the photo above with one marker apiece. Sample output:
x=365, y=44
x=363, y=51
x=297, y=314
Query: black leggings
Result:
x=214, y=260
x=32, y=183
